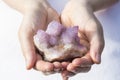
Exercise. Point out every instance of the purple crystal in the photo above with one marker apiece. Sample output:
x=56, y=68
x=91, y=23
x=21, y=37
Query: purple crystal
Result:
x=54, y=28
x=63, y=42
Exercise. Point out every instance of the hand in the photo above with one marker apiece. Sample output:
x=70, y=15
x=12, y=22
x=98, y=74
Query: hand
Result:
x=80, y=13
x=36, y=17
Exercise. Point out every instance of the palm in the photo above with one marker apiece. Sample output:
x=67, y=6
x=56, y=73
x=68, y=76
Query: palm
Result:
x=90, y=33
x=32, y=21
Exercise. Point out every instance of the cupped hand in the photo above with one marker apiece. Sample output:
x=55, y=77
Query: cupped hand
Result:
x=80, y=13
x=36, y=17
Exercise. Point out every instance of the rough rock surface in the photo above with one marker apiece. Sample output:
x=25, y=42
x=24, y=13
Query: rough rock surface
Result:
x=59, y=43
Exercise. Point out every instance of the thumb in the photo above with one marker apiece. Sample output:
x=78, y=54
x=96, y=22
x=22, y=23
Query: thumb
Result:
x=96, y=48
x=27, y=45
x=96, y=39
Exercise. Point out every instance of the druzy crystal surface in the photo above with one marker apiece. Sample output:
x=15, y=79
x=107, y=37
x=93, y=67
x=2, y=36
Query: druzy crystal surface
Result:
x=59, y=43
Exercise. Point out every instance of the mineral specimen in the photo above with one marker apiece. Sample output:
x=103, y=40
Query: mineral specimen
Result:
x=59, y=43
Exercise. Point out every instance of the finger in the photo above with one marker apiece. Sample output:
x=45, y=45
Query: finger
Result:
x=78, y=69
x=46, y=73
x=71, y=67
x=65, y=64
x=65, y=77
x=85, y=61
x=96, y=48
x=45, y=67
x=31, y=22
x=42, y=65
x=78, y=63
x=96, y=39
x=58, y=66
x=27, y=46
x=65, y=20
x=81, y=69
x=66, y=74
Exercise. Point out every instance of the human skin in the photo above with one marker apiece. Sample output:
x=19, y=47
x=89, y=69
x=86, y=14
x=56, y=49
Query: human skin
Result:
x=41, y=13
x=81, y=13
x=35, y=17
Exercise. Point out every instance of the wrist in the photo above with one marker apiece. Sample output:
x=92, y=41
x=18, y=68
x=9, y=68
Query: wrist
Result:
x=84, y=4
x=101, y=4
x=96, y=5
x=34, y=6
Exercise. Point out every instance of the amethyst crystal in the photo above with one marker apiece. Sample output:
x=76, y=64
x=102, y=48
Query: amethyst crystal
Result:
x=59, y=43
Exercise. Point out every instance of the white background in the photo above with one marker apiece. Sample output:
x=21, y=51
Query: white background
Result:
x=12, y=65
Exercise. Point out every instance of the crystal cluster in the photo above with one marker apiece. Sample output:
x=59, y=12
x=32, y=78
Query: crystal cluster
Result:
x=59, y=43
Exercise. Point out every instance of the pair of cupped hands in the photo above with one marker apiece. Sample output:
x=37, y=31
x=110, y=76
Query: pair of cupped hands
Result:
x=75, y=13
